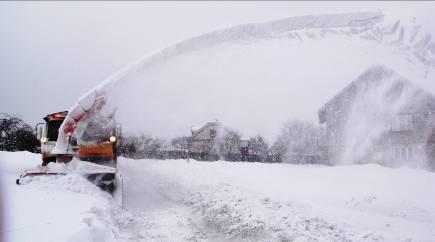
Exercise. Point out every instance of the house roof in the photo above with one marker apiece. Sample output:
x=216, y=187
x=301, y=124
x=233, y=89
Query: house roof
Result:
x=194, y=133
x=195, y=128
x=369, y=79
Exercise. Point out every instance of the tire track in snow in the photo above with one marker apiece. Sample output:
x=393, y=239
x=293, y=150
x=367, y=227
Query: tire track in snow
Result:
x=153, y=212
x=172, y=223
x=160, y=208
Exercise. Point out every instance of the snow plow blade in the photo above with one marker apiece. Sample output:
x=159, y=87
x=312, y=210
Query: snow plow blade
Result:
x=28, y=174
x=102, y=176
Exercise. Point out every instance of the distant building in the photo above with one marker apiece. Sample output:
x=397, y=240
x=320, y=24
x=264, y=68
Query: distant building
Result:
x=244, y=149
x=380, y=118
x=202, y=143
x=213, y=142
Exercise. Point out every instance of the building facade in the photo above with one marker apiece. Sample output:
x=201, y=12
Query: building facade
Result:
x=380, y=118
x=202, y=143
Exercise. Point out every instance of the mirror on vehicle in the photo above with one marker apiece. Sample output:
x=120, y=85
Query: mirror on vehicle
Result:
x=39, y=131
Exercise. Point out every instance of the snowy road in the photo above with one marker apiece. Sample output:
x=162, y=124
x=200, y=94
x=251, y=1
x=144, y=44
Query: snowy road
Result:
x=176, y=200
x=154, y=208
x=196, y=201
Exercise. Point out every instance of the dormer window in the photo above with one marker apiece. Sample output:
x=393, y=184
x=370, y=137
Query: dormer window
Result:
x=212, y=133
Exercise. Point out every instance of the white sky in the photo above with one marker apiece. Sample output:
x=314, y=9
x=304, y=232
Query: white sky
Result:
x=53, y=52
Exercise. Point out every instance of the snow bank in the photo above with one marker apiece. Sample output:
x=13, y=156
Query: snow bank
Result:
x=12, y=163
x=279, y=202
x=61, y=208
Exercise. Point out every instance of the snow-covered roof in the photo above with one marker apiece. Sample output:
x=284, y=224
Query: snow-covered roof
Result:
x=214, y=123
x=195, y=128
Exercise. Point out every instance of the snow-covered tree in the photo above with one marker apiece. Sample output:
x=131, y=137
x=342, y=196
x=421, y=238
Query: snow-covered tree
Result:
x=258, y=148
x=142, y=146
x=17, y=135
x=227, y=143
x=299, y=142
x=181, y=142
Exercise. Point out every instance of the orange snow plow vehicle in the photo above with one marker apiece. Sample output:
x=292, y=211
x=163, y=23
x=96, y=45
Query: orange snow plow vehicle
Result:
x=94, y=152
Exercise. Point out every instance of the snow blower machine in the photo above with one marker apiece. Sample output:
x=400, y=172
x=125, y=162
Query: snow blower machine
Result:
x=90, y=151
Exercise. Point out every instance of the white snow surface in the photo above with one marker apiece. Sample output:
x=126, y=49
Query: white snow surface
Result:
x=51, y=208
x=181, y=200
x=281, y=202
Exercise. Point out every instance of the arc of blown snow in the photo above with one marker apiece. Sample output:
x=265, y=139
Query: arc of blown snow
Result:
x=92, y=102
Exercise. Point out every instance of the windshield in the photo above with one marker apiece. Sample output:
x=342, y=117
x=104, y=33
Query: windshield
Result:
x=98, y=130
x=53, y=129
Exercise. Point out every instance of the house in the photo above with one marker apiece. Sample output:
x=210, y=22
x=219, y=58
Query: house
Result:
x=380, y=118
x=214, y=141
x=202, y=143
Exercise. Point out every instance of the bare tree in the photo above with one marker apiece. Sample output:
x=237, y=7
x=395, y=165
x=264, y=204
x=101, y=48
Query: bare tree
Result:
x=259, y=148
x=181, y=142
x=142, y=146
x=299, y=142
x=127, y=146
x=227, y=144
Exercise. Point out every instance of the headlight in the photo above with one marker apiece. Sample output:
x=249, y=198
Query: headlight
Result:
x=112, y=139
x=43, y=139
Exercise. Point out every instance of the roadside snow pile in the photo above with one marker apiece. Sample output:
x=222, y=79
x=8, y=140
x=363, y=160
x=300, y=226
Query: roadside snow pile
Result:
x=51, y=208
x=12, y=163
x=278, y=202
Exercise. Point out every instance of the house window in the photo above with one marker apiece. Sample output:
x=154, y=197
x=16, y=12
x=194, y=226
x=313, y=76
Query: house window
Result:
x=212, y=133
x=402, y=122
x=404, y=153
x=410, y=153
x=397, y=153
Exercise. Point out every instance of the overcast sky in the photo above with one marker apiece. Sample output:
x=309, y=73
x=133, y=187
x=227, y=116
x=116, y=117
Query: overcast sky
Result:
x=53, y=52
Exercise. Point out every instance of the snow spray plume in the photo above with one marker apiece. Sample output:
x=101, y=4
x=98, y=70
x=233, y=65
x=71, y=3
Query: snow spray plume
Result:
x=2, y=214
x=378, y=99
x=242, y=34
x=190, y=69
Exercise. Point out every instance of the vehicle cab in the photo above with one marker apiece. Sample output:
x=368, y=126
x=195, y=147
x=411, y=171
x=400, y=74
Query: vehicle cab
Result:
x=47, y=134
x=99, y=140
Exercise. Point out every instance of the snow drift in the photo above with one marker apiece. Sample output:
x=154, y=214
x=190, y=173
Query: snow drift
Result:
x=54, y=208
